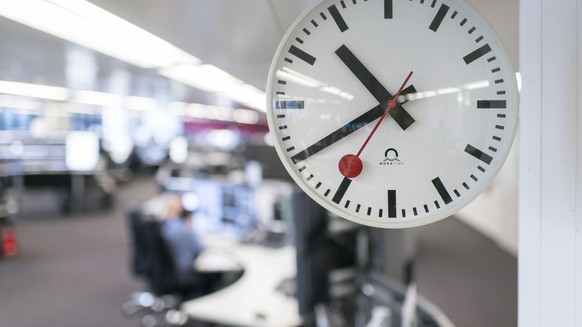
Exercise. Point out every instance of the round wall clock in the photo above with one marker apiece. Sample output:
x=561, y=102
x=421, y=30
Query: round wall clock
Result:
x=392, y=113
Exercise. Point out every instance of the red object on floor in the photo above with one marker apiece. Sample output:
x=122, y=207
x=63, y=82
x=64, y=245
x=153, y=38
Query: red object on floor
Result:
x=9, y=242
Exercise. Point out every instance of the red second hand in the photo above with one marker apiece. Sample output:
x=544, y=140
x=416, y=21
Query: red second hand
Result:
x=351, y=165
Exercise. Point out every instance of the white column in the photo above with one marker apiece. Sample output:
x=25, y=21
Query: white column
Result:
x=550, y=198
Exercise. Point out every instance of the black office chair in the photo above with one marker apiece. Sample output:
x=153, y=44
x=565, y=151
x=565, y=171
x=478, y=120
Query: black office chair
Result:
x=151, y=259
x=141, y=263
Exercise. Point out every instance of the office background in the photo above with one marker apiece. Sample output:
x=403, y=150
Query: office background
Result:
x=72, y=262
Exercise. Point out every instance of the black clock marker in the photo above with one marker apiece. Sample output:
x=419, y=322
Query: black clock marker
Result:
x=466, y=186
x=337, y=17
x=341, y=191
x=318, y=186
x=426, y=208
x=454, y=15
x=347, y=204
x=472, y=30
x=290, y=105
x=306, y=31
x=477, y=54
x=437, y=204
x=478, y=154
x=392, y=204
x=289, y=60
x=323, y=16
x=299, y=40
x=438, y=19
x=286, y=138
x=481, y=169
x=388, y=10
x=491, y=104
x=402, y=118
x=314, y=23
x=343, y=4
x=369, y=211
x=463, y=21
x=358, y=207
x=302, y=55
x=403, y=213
x=479, y=39
x=415, y=211
x=441, y=189
x=327, y=193
x=497, y=138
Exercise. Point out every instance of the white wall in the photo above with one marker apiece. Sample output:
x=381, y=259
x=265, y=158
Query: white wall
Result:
x=550, y=198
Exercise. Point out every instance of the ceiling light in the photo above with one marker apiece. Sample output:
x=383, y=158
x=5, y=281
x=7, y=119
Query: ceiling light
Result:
x=86, y=24
x=34, y=91
x=214, y=80
x=81, y=22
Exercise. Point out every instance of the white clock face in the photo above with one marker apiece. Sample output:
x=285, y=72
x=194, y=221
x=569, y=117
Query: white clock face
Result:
x=445, y=139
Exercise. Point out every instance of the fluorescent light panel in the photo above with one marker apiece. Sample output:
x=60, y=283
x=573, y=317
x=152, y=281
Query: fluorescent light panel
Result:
x=34, y=91
x=81, y=22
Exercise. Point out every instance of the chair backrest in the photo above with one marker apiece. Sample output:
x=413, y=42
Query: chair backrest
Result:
x=141, y=262
x=163, y=278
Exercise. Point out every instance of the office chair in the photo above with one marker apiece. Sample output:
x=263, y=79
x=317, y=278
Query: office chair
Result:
x=153, y=261
x=141, y=263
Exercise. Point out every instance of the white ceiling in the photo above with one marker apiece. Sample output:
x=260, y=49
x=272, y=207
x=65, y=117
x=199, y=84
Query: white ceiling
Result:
x=238, y=36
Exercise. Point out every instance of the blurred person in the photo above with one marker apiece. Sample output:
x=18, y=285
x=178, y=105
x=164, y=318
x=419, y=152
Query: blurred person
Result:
x=182, y=241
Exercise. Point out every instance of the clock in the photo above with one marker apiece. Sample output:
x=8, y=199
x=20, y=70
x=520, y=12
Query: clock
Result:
x=392, y=113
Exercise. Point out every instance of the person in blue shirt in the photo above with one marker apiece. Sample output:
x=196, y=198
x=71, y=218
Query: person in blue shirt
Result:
x=182, y=241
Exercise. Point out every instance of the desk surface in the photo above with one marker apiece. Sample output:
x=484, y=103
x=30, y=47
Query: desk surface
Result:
x=253, y=300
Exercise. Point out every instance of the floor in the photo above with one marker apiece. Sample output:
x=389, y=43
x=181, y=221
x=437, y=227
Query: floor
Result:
x=73, y=271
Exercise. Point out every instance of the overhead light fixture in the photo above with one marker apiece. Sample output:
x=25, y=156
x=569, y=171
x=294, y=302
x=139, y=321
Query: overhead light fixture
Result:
x=86, y=24
x=101, y=99
x=37, y=91
x=81, y=22
x=214, y=80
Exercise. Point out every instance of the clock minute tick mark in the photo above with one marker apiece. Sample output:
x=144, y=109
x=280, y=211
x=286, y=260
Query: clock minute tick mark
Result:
x=438, y=19
x=337, y=17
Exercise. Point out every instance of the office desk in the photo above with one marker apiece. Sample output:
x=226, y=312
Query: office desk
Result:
x=253, y=300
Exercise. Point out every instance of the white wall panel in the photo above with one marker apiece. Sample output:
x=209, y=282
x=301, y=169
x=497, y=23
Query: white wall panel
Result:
x=550, y=274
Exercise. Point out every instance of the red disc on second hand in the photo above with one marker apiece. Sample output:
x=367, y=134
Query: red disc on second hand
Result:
x=350, y=166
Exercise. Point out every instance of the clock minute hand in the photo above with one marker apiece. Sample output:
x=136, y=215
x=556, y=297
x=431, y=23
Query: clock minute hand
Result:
x=401, y=116
x=352, y=126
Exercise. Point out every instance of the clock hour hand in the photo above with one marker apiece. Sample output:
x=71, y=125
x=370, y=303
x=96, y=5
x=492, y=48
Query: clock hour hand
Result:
x=401, y=116
x=354, y=125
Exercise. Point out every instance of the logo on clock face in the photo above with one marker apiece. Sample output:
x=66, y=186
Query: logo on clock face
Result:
x=391, y=158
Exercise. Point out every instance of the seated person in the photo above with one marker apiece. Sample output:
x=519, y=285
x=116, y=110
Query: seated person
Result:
x=182, y=241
